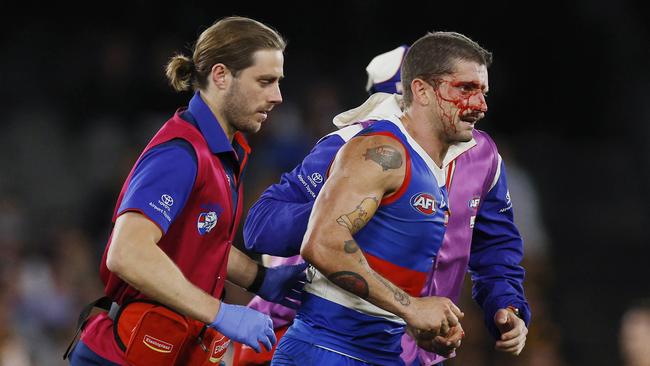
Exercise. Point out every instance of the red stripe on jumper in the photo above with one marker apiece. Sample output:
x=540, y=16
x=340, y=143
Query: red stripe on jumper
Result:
x=407, y=279
x=450, y=172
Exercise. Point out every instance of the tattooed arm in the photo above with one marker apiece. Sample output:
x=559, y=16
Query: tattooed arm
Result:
x=365, y=170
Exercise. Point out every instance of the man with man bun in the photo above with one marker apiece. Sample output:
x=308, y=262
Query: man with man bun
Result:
x=179, y=209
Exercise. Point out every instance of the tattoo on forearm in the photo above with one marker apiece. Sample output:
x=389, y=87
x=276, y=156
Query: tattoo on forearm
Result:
x=399, y=294
x=356, y=284
x=352, y=282
x=386, y=156
x=350, y=246
x=356, y=219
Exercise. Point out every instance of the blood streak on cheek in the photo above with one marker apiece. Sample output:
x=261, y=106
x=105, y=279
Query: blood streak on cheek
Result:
x=447, y=116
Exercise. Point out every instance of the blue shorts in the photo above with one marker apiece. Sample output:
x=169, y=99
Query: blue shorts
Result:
x=294, y=352
x=81, y=355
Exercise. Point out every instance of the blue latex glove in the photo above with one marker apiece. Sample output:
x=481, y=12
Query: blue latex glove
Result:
x=245, y=325
x=283, y=284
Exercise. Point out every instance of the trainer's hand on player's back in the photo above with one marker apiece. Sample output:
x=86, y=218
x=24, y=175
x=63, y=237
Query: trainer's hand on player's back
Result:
x=434, y=314
x=283, y=284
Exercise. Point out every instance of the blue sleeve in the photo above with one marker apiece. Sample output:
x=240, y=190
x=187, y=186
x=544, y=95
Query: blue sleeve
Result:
x=277, y=222
x=161, y=183
x=497, y=250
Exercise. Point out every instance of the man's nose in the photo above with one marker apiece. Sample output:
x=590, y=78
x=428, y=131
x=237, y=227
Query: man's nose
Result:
x=478, y=102
x=276, y=95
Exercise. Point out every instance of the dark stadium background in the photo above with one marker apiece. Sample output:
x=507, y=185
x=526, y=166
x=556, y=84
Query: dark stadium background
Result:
x=82, y=89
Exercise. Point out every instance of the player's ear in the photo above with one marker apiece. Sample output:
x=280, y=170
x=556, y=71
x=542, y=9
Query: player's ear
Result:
x=220, y=75
x=419, y=89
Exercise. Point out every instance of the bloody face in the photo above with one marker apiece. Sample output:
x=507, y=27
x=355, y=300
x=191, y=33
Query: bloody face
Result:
x=461, y=101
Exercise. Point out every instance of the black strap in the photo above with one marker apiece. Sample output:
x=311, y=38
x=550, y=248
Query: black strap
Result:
x=259, y=278
x=199, y=338
x=102, y=303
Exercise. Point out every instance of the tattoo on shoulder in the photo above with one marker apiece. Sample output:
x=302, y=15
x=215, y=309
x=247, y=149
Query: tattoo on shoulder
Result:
x=358, y=218
x=386, y=156
x=352, y=282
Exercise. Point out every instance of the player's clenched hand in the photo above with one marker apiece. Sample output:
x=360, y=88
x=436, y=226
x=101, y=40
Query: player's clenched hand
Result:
x=513, y=332
x=245, y=325
x=434, y=314
x=442, y=345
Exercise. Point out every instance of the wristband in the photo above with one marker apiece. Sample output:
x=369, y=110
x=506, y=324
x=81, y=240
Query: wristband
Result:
x=259, y=279
x=514, y=311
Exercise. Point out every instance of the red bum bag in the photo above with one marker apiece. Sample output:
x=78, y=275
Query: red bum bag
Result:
x=152, y=334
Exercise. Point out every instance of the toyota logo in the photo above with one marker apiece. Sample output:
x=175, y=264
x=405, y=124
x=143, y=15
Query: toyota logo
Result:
x=167, y=199
x=317, y=178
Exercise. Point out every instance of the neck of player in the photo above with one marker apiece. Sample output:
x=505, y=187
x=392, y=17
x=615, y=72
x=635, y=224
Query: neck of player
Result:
x=424, y=131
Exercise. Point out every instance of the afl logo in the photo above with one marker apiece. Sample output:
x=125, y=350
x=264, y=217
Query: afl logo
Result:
x=474, y=202
x=424, y=203
x=206, y=222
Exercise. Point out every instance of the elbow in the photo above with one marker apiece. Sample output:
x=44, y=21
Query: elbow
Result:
x=260, y=242
x=309, y=253
x=115, y=260
x=250, y=234
x=313, y=252
x=257, y=243
x=256, y=232
x=319, y=246
x=250, y=243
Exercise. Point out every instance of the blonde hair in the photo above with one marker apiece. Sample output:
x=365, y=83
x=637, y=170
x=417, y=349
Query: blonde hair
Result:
x=231, y=41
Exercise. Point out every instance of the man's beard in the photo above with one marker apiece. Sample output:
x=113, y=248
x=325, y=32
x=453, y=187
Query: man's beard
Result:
x=235, y=111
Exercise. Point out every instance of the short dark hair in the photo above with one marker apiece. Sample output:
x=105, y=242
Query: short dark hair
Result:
x=435, y=54
x=231, y=41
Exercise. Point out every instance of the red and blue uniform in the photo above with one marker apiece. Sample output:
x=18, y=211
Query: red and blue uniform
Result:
x=187, y=182
x=481, y=234
x=410, y=221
